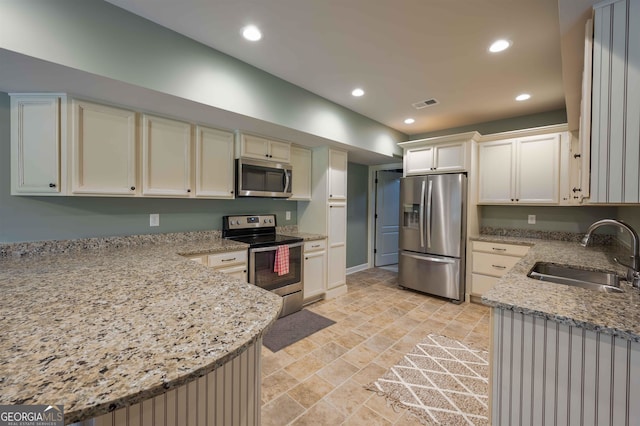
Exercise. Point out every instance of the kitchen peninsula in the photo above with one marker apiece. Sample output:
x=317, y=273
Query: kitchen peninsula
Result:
x=102, y=324
x=563, y=354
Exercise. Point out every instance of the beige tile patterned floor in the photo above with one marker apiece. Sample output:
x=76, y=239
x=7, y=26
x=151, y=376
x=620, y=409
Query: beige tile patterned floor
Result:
x=319, y=380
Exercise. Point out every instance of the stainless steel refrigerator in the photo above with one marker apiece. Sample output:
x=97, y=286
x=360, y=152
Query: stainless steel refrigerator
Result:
x=432, y=234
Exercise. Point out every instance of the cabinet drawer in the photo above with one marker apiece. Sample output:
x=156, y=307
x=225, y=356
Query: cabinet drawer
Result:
x=315, y=245
x=480, y=284
x=492, y=264
x=498, y=248
x=229, y=258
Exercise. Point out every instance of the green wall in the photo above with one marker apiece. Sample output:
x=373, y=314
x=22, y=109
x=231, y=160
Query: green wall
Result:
x=566, y=219
x=49, y=218
x=100, y=39
x=357, y=202
x=515, y=123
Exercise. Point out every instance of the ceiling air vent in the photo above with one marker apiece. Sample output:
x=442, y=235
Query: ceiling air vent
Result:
x=424, y=104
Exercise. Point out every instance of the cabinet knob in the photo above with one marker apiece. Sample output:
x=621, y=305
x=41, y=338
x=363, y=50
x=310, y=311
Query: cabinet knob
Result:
x=306, y=258
x=188, y=190
x=517, y=199
x=133, y=188
x=232, y=191
x=266, y=155
x=52, y=185
x=512, y=199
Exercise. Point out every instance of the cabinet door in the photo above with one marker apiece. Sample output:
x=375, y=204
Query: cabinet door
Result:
x=254, y=147
x=280, y=151
x=301, y=174
x=214, y=163
x=315, y=274
x=537, y=165
x=337, y=242
x=419, y=160
x=450, y=158
x=37, y=125
x=495, y=175
x=337, y=175
x=237, y=271
x=103, y=150
x=166, y=157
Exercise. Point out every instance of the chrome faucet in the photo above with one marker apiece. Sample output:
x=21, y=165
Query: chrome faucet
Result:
x=633, y=270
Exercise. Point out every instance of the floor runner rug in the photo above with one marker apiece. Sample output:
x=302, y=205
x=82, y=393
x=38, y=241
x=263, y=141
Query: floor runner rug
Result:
x=442, y=381
x=292, y=328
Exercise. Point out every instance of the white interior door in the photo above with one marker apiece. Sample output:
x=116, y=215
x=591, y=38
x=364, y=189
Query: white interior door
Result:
x=387, y=217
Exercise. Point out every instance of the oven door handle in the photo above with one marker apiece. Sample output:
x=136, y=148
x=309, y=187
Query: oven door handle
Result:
x=274, y=248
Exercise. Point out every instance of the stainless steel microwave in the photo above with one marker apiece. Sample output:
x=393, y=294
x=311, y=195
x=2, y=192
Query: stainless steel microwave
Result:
x=257, y=178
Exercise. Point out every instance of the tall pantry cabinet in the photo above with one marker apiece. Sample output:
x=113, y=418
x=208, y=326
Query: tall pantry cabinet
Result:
x=326, y=213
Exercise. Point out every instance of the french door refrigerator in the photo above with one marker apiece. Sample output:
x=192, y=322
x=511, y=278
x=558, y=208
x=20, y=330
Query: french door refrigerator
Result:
x=433, y=234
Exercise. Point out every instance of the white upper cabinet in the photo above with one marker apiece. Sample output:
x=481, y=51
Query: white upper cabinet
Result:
x=301, y=174
x=38, y=139
x=524, y=170
x=103, y=150
x=214, y=163
x=438, y=155
x=166, y=157
x=615, y=103
x=496, y=172
x=264, y=149
x=337, y=175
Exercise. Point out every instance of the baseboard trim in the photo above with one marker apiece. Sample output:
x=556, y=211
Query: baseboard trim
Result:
x=357, y=268
x=335, y=292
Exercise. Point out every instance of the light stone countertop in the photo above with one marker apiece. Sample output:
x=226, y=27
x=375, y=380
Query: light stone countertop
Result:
x=100, y=329
x=611, y=313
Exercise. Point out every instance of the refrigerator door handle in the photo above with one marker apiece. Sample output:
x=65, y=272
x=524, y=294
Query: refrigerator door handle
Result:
x=429, y=206
x=421, y=219
x=430, y=259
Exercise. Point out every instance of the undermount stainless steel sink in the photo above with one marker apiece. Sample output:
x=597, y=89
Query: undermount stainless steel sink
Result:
x=607, y=282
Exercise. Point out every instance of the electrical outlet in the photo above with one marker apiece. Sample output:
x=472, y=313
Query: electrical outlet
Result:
x=532, y=219
x=154, y=219
x=287, y=215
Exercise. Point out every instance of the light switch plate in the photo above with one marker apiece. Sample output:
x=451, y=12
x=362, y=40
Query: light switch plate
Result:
x=288, y=215
x=154, y=219
x=532, y=219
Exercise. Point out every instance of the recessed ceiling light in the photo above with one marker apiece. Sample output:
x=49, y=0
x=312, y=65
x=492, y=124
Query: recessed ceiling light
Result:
x=523, y=97
x=409, y=121
x=357, y=92
x=251, y=33
x=499, y=46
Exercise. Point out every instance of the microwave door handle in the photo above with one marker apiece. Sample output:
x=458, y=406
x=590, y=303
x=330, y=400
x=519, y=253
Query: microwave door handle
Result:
x=286, y=180
x=421, y=218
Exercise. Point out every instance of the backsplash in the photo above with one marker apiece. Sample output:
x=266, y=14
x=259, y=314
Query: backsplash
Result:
x=599, y=239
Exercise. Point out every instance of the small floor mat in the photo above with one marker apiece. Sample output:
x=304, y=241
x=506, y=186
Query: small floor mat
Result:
x=442, y=381
x=288, y=330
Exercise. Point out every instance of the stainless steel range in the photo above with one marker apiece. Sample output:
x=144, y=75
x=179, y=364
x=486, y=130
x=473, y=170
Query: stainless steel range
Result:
x=275, y=261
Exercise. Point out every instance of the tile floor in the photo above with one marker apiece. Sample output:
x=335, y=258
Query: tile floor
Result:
x=319, y=380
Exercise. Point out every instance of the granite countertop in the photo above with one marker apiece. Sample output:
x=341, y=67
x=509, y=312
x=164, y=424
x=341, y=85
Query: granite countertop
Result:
x=100, y=329
x=306, y=236
x=611, y=313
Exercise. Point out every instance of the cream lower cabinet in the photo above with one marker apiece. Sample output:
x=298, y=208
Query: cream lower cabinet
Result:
x=490, y=261
x=315, y=270
x=233, y=263
x=520, y=171
x=103, y=150
x=38, y=143
x=337, y=245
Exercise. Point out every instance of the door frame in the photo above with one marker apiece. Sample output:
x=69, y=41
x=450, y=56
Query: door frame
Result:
x=371, y=210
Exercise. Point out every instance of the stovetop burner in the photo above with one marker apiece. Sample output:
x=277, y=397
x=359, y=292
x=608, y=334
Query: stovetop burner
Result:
x=255, y=230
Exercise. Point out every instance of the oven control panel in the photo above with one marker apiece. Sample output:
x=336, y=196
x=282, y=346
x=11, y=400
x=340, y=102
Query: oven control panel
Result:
x=249, y=221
